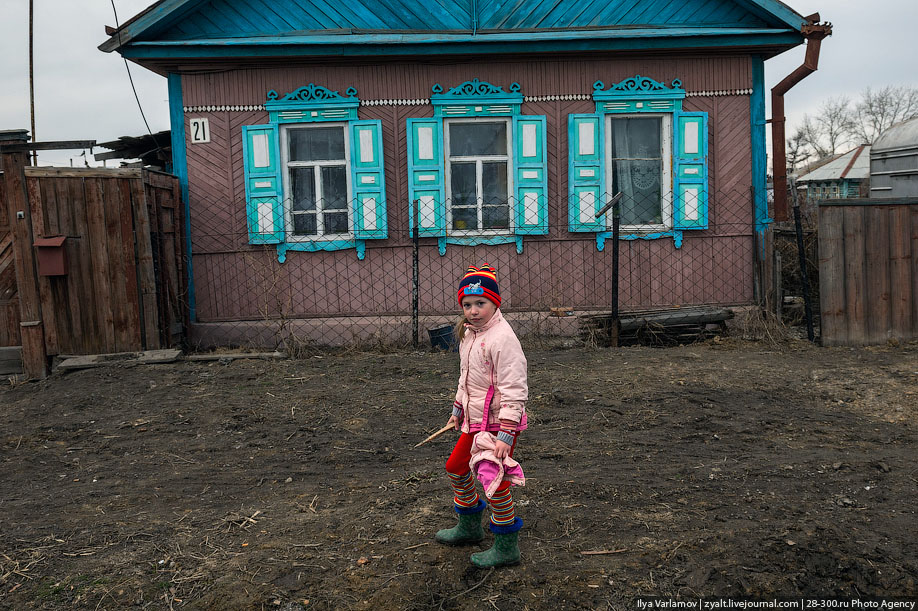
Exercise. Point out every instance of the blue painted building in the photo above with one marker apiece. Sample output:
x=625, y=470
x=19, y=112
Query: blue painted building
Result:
x=845, y=176
x=312, y=138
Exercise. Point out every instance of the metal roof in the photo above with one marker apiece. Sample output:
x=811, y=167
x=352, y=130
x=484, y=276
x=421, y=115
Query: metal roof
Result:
x=900, y=135
x=853, y=165
x=224, y=28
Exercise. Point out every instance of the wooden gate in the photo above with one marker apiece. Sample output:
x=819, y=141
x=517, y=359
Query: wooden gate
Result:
x=120, y=284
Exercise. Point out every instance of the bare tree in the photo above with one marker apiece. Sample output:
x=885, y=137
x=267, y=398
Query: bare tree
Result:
x=841, y=124
x=878, y=110
x=798, y=151
x=829, y=130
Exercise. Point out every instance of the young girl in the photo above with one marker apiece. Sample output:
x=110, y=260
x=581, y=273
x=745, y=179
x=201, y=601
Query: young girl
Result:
x=492, y=398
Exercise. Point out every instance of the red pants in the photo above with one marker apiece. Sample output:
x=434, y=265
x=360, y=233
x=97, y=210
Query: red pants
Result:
x=458, y=461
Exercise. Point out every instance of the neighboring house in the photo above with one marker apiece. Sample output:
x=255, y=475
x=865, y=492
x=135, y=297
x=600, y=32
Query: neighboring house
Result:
x=316, y=127
x=894, y=161
x=846, y=175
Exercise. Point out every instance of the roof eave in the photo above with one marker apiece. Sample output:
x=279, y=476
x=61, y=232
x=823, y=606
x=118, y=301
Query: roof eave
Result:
x=143, y=21
x=779, y=10
x=406, y=45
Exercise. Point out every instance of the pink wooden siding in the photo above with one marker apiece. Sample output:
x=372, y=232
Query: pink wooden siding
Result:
x=412, y=80
x=235, y=281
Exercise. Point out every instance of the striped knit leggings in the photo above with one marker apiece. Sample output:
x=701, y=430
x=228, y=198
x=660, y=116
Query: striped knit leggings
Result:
x=463, y=483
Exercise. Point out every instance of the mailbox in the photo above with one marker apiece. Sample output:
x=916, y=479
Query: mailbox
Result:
x=52, y=256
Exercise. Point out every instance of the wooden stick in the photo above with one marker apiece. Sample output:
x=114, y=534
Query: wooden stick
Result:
x=435, y=435
x=604, y=552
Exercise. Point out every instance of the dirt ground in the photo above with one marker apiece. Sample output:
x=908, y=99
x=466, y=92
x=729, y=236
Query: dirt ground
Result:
x=723, y=468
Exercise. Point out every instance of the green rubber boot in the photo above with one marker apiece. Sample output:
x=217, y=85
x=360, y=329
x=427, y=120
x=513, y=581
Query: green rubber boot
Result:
x=506, y=549
x=468, y=530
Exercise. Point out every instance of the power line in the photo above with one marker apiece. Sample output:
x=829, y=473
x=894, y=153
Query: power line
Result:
x=131, y=79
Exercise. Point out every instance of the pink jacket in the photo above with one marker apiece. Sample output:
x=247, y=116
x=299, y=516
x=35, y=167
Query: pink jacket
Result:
x=492, y=356
x=491, y=470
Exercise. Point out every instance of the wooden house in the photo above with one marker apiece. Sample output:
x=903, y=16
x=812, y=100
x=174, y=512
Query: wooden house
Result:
x=844, y=176
x=310, y=137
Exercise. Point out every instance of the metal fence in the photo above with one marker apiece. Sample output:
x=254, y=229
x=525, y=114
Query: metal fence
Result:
x=656, y=283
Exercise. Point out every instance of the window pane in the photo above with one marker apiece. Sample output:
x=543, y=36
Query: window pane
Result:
x=494, y=183
x=495, y=217
x=636, y=138
x=336, y=222
x=303, y=187
x=304, y=224
x=639, y=180
x=334, y=188
x=637, y=168
x=477, y=139
x=316, y=143
x=462, y=183
x=465, y=218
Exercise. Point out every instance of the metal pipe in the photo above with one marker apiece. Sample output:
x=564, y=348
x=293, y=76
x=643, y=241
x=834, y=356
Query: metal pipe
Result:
x=616, y=224
x=415, y=276
x=813, y=32
x=804, y=275
x=613, y=203
x=32, y=74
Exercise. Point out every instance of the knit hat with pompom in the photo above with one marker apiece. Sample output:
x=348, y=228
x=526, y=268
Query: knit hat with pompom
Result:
x=480, y=281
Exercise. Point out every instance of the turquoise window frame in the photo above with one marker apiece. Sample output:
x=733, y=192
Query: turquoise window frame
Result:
x=638, y=95
x=313, y=104
x=634, y=96
x=528, y=179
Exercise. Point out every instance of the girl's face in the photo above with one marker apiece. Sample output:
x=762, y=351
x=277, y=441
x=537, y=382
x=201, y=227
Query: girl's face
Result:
x=478, y=310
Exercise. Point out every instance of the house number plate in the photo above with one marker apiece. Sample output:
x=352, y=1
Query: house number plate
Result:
x=200, y=130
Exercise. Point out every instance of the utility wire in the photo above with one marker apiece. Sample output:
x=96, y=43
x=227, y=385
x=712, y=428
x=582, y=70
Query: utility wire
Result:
x=131, y=79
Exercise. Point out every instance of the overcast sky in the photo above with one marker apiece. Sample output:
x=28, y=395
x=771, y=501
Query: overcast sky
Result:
x=82, y=93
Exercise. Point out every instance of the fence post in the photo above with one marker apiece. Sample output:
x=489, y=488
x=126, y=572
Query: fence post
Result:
x=616, y=224
x=415, y=277
x=616, y=324
x=31, y=326
x=804, y=277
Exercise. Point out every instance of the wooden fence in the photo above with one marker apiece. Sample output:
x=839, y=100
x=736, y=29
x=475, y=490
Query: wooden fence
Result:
x=122, y=289
x=868, y=271
x=9, y=303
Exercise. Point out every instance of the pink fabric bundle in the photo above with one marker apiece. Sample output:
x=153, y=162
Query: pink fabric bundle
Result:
x=490, y=470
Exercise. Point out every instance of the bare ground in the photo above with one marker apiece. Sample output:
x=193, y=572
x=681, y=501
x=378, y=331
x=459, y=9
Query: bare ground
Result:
x=723, y=468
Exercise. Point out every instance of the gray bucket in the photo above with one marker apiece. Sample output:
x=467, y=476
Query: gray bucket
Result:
x=443, y=338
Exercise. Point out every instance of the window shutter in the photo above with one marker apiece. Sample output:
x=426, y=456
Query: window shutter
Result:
x=530, y=171
x=263, y=184
x=368, y=180
x=426, y=172
x=586, y=183
x=690, y=170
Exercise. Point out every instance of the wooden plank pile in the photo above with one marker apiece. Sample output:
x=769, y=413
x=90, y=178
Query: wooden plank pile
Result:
x=662, y=327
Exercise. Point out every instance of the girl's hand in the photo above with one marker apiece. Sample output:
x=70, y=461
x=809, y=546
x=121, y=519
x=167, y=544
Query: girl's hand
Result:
x=454, y=420
x=501, y=450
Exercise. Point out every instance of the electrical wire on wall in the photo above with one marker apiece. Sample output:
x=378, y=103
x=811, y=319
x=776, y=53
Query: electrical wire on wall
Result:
x=131, y=79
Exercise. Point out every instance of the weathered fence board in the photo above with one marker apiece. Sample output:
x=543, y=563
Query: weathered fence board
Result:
x=832, y=274
x=900, y=290
x=34, y=356
x=876, y=273
x=853, y=286
x=868, y=270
